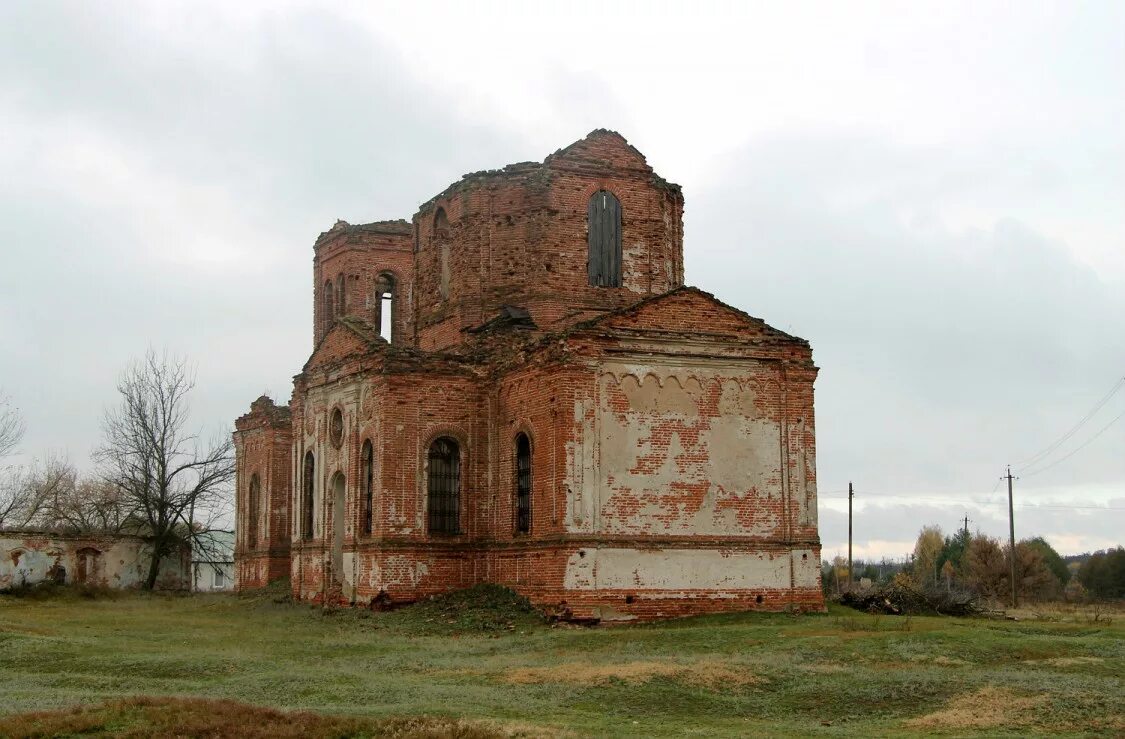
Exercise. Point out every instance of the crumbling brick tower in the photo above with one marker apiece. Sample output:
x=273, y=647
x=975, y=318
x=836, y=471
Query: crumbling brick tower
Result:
x=517, y=388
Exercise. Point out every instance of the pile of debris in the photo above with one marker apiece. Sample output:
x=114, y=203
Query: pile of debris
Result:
x=898, y=598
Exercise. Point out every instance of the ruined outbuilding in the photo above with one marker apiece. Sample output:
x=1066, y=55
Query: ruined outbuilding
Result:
x=96, y=560
x=516, y=387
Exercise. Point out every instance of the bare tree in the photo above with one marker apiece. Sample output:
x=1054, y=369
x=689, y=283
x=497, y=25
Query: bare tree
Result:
x=164, y=475
x=11, y=426
x=16, y=507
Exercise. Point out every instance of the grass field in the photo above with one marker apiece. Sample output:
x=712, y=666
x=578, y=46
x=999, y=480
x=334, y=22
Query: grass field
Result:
x=843, y=673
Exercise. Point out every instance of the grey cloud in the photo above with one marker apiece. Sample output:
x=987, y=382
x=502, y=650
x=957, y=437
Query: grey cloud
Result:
x=944, y=353
x=255, y=139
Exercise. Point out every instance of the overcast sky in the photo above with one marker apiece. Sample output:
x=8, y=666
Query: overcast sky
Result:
x=934, y=197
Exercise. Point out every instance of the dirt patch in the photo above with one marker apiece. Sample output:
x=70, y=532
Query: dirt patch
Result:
x=987, y=708
x=708, y=674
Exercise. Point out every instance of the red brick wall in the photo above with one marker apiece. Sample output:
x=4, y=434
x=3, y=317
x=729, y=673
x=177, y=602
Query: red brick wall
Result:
x=262, y=448
x=630, y=418
x=361, y=254
x=518, y=236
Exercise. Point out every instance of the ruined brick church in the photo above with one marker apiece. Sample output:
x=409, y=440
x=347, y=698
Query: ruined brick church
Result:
x=516, y=387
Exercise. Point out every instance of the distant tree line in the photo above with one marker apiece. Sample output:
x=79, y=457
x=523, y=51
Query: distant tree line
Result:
x=981, y=564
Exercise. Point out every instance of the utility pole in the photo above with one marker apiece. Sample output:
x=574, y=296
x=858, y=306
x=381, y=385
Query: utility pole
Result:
x=850, y=496
x=1012, y=535
x=966, y=529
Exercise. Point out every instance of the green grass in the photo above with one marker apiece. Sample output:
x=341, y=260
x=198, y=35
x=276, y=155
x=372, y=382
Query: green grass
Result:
x=486, y=658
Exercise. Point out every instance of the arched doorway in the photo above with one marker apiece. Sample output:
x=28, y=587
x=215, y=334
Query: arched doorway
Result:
x=338, y=528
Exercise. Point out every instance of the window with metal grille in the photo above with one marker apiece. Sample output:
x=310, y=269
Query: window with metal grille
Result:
x=307, y=495
x=252, y=504
x=523, y=484
x=366, y=462
x=603, y=222
x=444, y=487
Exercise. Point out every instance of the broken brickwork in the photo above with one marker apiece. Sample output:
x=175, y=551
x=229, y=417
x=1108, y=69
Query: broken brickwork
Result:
x=671, y=462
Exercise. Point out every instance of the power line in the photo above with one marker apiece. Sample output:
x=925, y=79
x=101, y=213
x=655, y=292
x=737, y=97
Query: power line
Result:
x=1078, y=449
x=1035, y=459
x=979, y=503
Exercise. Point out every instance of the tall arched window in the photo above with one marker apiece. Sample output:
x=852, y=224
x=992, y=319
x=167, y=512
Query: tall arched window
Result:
x=523, y=484
x=603, y=222
x=253, y=503
x=385, y=306
x=307, y=496
x=341, y=297
x=441, y=237
x=444, y=487
x=329, y=306
x=441, y=225
x=367, y=480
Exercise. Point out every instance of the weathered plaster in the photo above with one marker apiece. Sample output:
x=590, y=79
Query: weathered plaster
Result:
x=604, y=568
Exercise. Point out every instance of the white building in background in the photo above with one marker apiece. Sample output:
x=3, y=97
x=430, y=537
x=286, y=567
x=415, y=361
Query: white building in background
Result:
x=212, y=565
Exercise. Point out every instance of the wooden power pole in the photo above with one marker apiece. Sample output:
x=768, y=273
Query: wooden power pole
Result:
x=1012, y=536
x=850, y=496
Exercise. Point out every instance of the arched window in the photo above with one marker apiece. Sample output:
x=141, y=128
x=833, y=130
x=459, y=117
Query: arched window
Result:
x=385, y=306
x=523, y=484
x=252, y=508
x=441, y=225
x=329, y=306
x=444, y=487
x=441, y=236
x=307, y=496
x=341, y=297
x=367, y=478
x=603, y=221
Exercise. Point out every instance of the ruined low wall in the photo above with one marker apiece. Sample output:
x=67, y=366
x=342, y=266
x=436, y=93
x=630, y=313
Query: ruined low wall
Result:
x=28, y=558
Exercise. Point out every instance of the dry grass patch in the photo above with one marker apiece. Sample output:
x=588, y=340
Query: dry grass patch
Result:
x=941, y=659
x=196, y=717
x=708, y=674
x=823, y=668
x=1065, y=661
x=988, y=708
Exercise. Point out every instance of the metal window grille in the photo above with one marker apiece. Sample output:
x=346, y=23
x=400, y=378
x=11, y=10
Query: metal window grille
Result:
x=523, y=484
x=603, y=222
x=444, y=499
x=252, y=512
x=307, y=512
x=368, y=508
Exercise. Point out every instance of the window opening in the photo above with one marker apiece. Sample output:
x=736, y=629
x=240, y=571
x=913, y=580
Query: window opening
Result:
x=368, y=479
x=385, y=306
x=252, y=507
x=523, y=484
x=329, y=306
x=307, y=508
x=444, y=487
x=603, y=221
